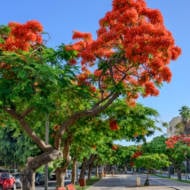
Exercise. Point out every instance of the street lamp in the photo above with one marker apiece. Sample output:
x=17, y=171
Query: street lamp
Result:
x=47, y=141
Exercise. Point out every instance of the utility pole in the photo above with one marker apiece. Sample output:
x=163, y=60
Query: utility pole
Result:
x=47, y=141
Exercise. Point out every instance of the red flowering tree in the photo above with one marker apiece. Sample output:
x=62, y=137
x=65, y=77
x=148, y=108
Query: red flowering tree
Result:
x=172, y=141
x=133, y=49
x=179, y=151
x=130, y=55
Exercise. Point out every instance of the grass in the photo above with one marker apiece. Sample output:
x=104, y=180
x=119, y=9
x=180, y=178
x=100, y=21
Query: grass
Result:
x=89, y=182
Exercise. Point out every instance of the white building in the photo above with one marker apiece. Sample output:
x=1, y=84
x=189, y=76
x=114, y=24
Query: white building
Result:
x=175, y=126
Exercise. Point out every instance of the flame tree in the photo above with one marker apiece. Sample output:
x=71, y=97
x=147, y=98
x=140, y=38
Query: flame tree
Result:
x=129, y=57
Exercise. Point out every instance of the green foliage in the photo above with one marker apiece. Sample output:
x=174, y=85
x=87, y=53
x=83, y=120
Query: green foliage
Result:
x=176, y=155
x=152, y=161
x=179, y=154
x=157, y=145
x=135, y=123
x=4, y=30
x=15, y=147
x=62, y=53
x=185, y=113
x=94, y=136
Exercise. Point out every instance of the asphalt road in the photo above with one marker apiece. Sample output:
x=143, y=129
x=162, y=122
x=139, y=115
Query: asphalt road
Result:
x=129, y=182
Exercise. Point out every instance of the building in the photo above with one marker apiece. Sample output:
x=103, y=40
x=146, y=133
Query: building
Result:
x=175, y=127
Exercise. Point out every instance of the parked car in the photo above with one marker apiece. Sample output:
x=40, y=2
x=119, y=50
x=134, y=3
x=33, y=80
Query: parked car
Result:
x=52, y=176
x=18, y=180
x=39, y=179
x=129, y=172
x=7, y=181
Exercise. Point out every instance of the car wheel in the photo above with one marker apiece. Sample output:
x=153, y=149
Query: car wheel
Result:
x=14, y=187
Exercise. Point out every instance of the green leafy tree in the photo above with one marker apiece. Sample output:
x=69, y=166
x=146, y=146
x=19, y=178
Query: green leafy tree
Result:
x=99, y=136
x=135, y=123
x=156, y=145
x=151, y=162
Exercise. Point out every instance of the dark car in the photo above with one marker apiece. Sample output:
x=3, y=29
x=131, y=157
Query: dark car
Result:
x=7, y=181
x=39, y=179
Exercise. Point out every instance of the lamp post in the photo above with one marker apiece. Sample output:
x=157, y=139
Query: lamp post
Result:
x=47, y=141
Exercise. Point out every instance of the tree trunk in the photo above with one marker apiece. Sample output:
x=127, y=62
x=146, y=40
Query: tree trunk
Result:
x=82, y=180
x=60, y=176
x=179, y=174
x=169, y=172
x=83, y=169
x=187, y=166
x=89, y=170
x=103, y=171
x=28, y=179
x=97, y=171
x=61, y=171
x=74, y=172
x=147, y=182
x=90, y=164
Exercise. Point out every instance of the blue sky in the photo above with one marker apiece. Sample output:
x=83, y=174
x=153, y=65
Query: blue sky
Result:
x=60, y=18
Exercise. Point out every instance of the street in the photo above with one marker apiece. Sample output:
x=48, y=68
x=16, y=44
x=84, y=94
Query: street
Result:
x=129, y=182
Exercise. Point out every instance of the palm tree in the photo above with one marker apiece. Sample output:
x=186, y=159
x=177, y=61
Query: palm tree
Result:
x=185, y=115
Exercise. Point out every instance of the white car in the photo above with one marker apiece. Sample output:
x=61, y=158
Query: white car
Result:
x=18, y=182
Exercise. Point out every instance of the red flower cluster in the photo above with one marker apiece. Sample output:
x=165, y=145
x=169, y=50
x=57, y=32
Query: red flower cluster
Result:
x=113, y=125
x=145, y=47
x=56, y=127
x=170, y=142
x=84, y=79
x=114, y=147
x=136, y=154
x=22, y=36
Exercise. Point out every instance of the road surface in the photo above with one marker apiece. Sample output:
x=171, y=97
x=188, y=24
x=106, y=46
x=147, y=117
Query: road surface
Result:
x=129, y=182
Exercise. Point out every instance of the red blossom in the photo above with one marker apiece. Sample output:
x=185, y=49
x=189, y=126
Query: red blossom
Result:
x=114, y=147
x=23, y=36
x=136, y=154
x=139, y=33
x=170, y=142
x=113, y=125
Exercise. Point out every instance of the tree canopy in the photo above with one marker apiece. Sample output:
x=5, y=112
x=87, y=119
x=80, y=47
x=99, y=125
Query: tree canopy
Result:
x=129, y=58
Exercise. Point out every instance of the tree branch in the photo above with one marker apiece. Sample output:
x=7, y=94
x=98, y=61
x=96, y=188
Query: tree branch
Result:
x=42, y=145
x=91, y=112
x=26, y=112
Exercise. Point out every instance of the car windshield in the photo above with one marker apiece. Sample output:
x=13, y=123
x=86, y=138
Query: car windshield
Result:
x=5, y=175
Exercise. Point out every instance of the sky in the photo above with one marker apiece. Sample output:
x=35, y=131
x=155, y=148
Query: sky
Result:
x=61, y=17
